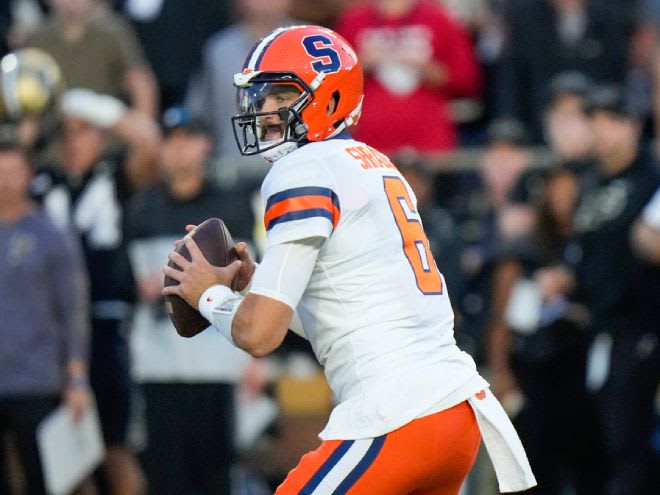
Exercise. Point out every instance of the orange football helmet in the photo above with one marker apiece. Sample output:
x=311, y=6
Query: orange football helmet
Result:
x=315, y=65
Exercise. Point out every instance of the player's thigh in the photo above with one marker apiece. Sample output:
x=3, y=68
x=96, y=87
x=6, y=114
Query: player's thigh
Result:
x=431, y=453
x=429, y=456
x=336, y=466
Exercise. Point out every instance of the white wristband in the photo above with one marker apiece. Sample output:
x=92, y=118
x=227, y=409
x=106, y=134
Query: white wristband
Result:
x=219, y=304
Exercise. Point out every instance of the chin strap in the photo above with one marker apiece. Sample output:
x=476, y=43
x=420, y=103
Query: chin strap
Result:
x=279, y=151
x=352, y=118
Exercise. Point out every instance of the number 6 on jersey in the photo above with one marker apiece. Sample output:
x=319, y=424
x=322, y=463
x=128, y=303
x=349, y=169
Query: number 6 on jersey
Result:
x=415, y=243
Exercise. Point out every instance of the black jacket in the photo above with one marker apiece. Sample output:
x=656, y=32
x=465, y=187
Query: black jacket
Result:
x=622, y=290
x=535, y=54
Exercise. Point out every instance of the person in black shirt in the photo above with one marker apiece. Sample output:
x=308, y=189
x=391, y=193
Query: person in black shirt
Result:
x=547, y=37
x=546, y=348
x=486, y=221
x=567, y=132
x=188, y=385
x=88, y=192
x=646, y=232
x=620, y=289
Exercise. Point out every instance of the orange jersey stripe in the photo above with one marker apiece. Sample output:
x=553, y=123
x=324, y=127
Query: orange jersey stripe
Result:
x=301, y=203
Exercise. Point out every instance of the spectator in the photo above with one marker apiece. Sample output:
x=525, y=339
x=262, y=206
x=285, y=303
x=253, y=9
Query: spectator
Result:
x=566, y=125
x=567, y=132
x=416, y=58
x=547, y=37
x=646, y=232
x=479, y=214
x=192, y=379
x=43, y=331
x=320, y=12
x=212, y=97
x=546, y=350
x=469, y=12
x=173, y=33
x=89, y=194
x=140, y=83
x=96, y=51
x=619, y=288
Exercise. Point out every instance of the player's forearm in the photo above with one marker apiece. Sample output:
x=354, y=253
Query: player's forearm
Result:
x=255, y=324
x=260, y=325
x=259, y=322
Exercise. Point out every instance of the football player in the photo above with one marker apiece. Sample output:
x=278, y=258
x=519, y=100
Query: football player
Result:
x=348, y=266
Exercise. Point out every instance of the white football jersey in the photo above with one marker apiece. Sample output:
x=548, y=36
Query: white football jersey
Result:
x=376, y=309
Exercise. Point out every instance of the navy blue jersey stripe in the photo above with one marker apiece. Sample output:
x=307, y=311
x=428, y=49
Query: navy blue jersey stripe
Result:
x=299, y=215
x=362, y=466
x=326, y=467
x=303, y=191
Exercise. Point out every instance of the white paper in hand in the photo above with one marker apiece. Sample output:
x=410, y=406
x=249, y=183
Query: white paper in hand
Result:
x=523, y=311
x=253, y=416
x=69, y=450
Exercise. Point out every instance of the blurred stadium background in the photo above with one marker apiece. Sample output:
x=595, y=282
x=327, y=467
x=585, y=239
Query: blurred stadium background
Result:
x=504, y=116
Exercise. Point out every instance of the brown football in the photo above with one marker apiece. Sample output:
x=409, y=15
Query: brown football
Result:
x=217, y=246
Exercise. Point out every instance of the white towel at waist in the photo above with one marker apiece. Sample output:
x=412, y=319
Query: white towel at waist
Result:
x=504, y=447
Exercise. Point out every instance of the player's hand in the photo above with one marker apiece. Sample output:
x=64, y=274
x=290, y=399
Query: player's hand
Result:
x=76, y=399
x=248, y=266
x=189, y=229
x=196, y=275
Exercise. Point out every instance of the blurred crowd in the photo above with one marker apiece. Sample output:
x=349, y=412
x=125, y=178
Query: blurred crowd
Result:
x=528, y=130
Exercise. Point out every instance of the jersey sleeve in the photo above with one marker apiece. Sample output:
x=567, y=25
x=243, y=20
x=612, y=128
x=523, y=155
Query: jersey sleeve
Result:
x=301, y=201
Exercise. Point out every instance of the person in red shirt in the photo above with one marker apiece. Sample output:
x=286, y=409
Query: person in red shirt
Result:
x=416, y=58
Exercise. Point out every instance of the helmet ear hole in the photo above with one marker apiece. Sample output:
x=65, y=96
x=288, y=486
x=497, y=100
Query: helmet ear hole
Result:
x=333, y=104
